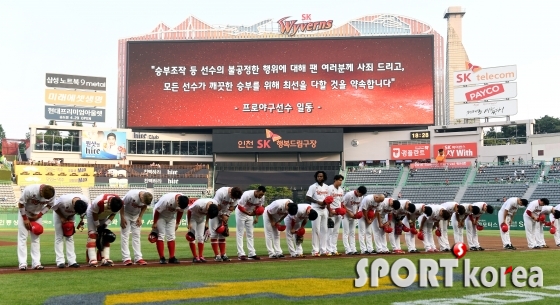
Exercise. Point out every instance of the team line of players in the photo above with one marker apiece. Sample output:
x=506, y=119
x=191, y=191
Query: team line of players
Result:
x=375, y=216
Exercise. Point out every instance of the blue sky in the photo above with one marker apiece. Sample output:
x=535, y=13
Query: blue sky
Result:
x=81, y=37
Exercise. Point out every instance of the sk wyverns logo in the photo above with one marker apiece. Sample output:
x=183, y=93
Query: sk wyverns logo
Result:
x=270, y=136
x=428, y=270
x=291, y=28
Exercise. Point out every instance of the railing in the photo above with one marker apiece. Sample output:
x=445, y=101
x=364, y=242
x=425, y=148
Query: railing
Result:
x=181, y=185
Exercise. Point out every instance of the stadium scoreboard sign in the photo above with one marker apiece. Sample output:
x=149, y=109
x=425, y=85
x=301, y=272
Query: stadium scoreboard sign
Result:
x=419, y=135
x=276, y=140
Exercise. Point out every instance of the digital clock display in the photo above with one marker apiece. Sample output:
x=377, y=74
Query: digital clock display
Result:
x=416, y=135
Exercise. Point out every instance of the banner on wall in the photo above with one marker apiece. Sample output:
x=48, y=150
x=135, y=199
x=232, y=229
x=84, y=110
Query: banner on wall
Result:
x=457, y=150
x=104, y=145
x=410, y=151
x=81, y=181
x=435, y=165
x=23, y=169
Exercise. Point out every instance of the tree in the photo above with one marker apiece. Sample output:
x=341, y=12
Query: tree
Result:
x=547, y=124
x=2, y=136
x=274, y=192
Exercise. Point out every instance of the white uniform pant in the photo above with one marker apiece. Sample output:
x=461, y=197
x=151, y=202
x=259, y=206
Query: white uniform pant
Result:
x=531, y=230
x=472, y=234
x=244, y=225
x=22, y=244
x=444, y=239
x=409, y=237
x=131, y=227
x=272, y=237
x=91, y=251
x=505, y=236
x=457, y=232
x=379, y=237
x=60, y=240
x=349, y=234
x=91, y=223
x=198, y=225
x=557, y=234
x=332, y=242
x=214, y=223
x=428, y=234
x=394, y=239
x=166, y=229
x=293, y=247
x=365, y=235
x=539, y=236
x=320, y=232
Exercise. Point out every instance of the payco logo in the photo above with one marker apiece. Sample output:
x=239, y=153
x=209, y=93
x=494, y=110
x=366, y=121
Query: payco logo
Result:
x=428, y=269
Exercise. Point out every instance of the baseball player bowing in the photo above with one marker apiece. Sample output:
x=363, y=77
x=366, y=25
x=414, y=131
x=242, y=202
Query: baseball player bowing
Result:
x=65, y=207
x=316, y=195
x=381, y=223
x=554, y=222
x=295, y=227
x=505, y=217
x=35, y=201
x=428, y=223
x=546, y=211
x=198, y=216
x=100, y=213
x=337, y=192
x=135, y=203
x=167, y=214
x=246, y=218
x=473, y=226
x=273, y=215
x=396, y=224
x=531, y=220
x=365, y=232
x=227, y=198
x=409, y=222
x=458, y=220
x=351, y=202
x=453, y=208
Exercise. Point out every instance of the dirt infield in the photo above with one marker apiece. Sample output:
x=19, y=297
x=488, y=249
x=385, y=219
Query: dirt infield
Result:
x=490, y=243
x=7, y=243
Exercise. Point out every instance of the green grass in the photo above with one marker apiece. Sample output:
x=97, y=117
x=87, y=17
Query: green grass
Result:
x=44, y=285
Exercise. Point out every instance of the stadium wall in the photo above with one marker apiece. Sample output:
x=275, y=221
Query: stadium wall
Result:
x=545, y=146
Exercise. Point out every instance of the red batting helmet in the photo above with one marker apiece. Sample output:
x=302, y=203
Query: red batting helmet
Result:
x=259, y=210
x=504, y=227
x=421, y=235
x=300, y=231
x=68, y=228
x=328, y=200
x=36, y=228
x=152, y=237
x=547, y=223
x=438, y=232
x=220, y=229
x=388, y=229
x=406, y=229
x=552, y=230
x=542, y=218
x=280, y=227
x=413, y=231
x=190, y=236
x=340, y=211
x=480, y=227
x=370, y=214
x=359, y=215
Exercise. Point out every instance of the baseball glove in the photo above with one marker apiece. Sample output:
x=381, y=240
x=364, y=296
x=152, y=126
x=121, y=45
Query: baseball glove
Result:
x=299, y=240
x=330, y=223
x=226, y=231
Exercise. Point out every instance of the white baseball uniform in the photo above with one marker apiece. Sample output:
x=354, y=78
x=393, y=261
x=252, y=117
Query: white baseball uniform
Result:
x=472, y=232
x=320, y=228
x=98, y=206
x=352, y=204
x=531, y=226
x=412, y=217
x=455, y=219
x=384, y=210
x=398, y=216
x=444, y=224
x=65, y=206
x=332, y=240
x=225, y=205
x=33, y=205
x=429, y=244
x=168, y=215
x=132, y=206
x=539, y=236
x=295, y=222
x=365, y=231
x=277, y=210
x=245, y=223
x=508, y=209
x=555, y=222
x=199, y=211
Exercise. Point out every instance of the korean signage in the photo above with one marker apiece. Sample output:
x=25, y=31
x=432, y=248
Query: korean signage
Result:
x=276, y=140
x=485, y=92
x=272, y=83
x=24, y=169
x=75, y=82
x=150, y=181
x=485, y=75
x=410, y=152
x=105, y=145
x=457, y=150
x=57, y=180
x=441, y=165
x=75, y=98
x=486, y=109
x=70, y=113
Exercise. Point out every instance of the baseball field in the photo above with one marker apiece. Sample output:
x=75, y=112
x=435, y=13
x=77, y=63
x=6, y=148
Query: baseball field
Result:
x=325, y=280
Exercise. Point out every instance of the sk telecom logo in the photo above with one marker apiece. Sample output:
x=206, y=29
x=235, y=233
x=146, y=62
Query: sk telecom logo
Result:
x=291, y=28
x=426, y=273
